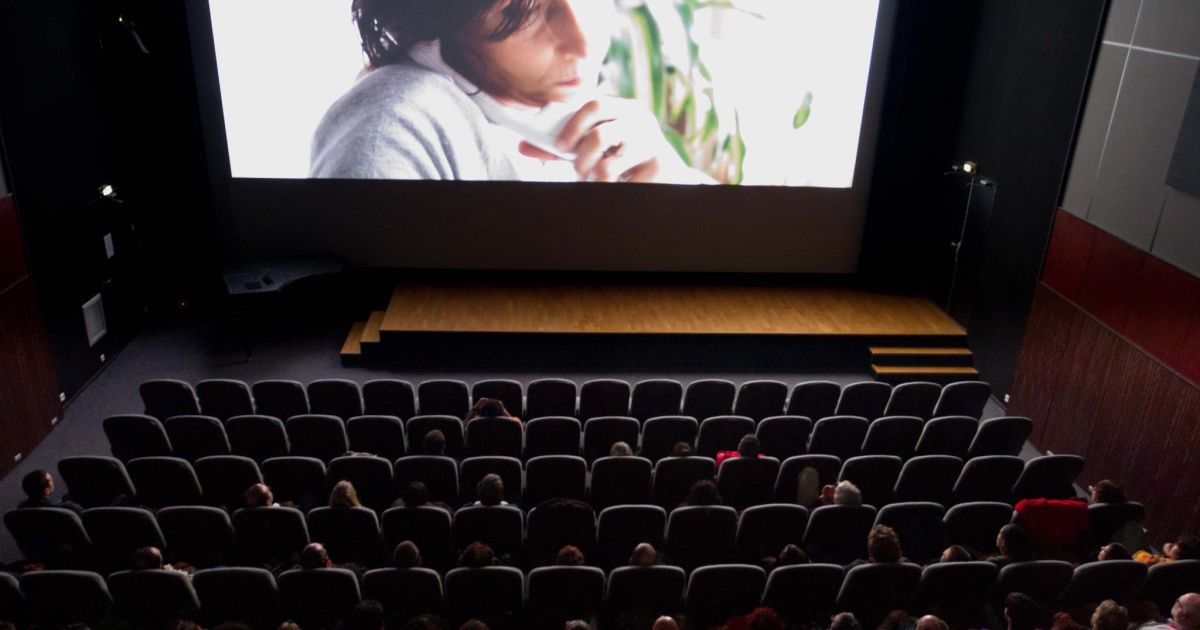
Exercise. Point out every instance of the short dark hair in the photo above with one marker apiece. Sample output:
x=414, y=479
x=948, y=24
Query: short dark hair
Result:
x=489, y=408
x=147, y=558
x=883, y=545
x=416, y=494
x=749, y=446
x=1106, y=491
x=792, y=554
x=569, y=556
x=477, y=555
x=490, y=489
x=682, y=449
x=434, y=443
x=388, y=28
x=35, y=483
x=1023, y=612
x=366, y=615
x=406, y=555
x=314, y=556
x=704, y=492
x=1016, y=543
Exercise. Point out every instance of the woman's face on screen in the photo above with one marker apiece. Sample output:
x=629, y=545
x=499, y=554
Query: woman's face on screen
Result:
x=552, y=58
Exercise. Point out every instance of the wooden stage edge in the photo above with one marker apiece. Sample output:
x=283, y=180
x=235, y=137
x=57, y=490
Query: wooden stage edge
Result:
x=660, y=310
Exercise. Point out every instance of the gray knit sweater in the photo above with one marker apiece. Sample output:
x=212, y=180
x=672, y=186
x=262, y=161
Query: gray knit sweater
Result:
x=406, y=122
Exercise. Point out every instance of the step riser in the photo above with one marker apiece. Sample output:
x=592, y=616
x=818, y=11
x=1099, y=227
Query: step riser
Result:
x=925, y=360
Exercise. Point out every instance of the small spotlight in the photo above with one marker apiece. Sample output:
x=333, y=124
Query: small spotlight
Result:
x=107, y=190
x=970, y=168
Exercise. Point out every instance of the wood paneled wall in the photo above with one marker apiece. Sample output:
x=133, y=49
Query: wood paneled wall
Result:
x=1092, y=392
x=28, y=383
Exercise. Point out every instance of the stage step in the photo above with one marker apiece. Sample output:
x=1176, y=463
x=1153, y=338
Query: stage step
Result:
x=894, y=356
x=352, y=348
x=938, y=374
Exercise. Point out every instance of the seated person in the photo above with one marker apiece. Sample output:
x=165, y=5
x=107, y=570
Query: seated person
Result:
x=259, y=495
x=490, y=491
x=39, y=486
x=1185, y=615
x=747, y=447
x=620, y=449
x=1184, y=548
x=407, y=556
x=1012, y=545
x=490, y=408
x=644, y=555
x=703, y=492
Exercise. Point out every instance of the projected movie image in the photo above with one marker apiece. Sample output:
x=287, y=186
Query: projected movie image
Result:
x=733, y=92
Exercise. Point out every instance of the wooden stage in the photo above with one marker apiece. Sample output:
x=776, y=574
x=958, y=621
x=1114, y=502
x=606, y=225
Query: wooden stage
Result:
x=645, y=310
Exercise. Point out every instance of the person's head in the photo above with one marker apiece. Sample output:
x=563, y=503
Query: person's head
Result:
x=288, y=625
x=259, y=495
x=1110, y=615
x=704, y=492
x=931, y=622
x=415, y=494
x=406, y=555
x=846, y=493
x=763, y=618
x=38, y=484
x=488, y=408
x=366, y=615
x=844, y=621
x=490, y=489
x=620, y=449
x=682, y=449
x=1113, y=551
x=434, y=443
x=1022, y=612
x=477, y=555
x=1184, y=548
x=473, y=624
x=425, y=622
x=577, y=624
x=790, y=555
x=569, y=556
x=344, y=495
x=314, y=556
x=147, y=558
x=1105, y=491
x=644, y=555
x=955, y=553
x=527, y=51
x=749, y=446
x=665, y=623
x=1186, y=611
x=883, y=545
x=1013, y=543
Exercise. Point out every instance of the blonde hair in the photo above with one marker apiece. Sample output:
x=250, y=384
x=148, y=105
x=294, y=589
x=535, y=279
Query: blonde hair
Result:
x=344, y=495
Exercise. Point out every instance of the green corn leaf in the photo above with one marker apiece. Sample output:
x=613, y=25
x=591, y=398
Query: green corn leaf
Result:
x=678, y=143
x=653, y=42
x=804, y=112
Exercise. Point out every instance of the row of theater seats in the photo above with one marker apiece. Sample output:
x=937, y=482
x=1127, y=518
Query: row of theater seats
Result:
x=326, y=437
x=221, y=480
x=105, y=538
x=504, y=597
x=224, y=398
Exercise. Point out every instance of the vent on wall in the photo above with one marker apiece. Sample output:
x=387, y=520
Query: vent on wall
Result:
x=93, y=319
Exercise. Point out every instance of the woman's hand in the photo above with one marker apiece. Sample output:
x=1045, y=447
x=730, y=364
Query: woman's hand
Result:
x=612, y=142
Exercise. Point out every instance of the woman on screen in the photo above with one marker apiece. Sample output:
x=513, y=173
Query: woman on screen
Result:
x=489, y=90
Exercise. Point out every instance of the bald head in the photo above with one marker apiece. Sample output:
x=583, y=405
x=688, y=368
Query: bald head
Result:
x=931, y=622
x=665, y=623
x=1186, y=611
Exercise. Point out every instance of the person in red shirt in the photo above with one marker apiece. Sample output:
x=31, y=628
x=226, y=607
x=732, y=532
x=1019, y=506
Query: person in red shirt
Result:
x=748, y=447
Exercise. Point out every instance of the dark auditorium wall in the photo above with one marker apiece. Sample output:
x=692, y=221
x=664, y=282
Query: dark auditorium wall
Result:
x=1111, y=364
x=1001, y=83
x=29, y=403
x=103, y=100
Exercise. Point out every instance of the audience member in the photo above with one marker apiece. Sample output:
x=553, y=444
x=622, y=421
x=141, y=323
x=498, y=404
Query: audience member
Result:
x=487, y=408
x=1023, y=613
x=434, y=443
x=147, y=558
x=620, y=449
x=682, y=449
x=569, y=556
x=473, y=624
x=790, y=555
x=644, y=555
x=1184, y=548
x=1105, y=491
x=577, y=624
x=38, y=486
x=845, y=493
x=844, y=621
x=761, y=618
x=344, y=495
x=490, y=491
x=259, y=495
x=955, y=553
x=883, y=545
x=477, y=555
x=366, y=615
x=288, y=625
x=1110, y=615
x=407, y=556
x=415, y=494
x=665, y=623
x=931, y=622
x=747, y=447
x=703, y=492
x=425, y=622
x=1012, y=545
x=1185, y=615
x=314, y=556
x=1114, y=551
